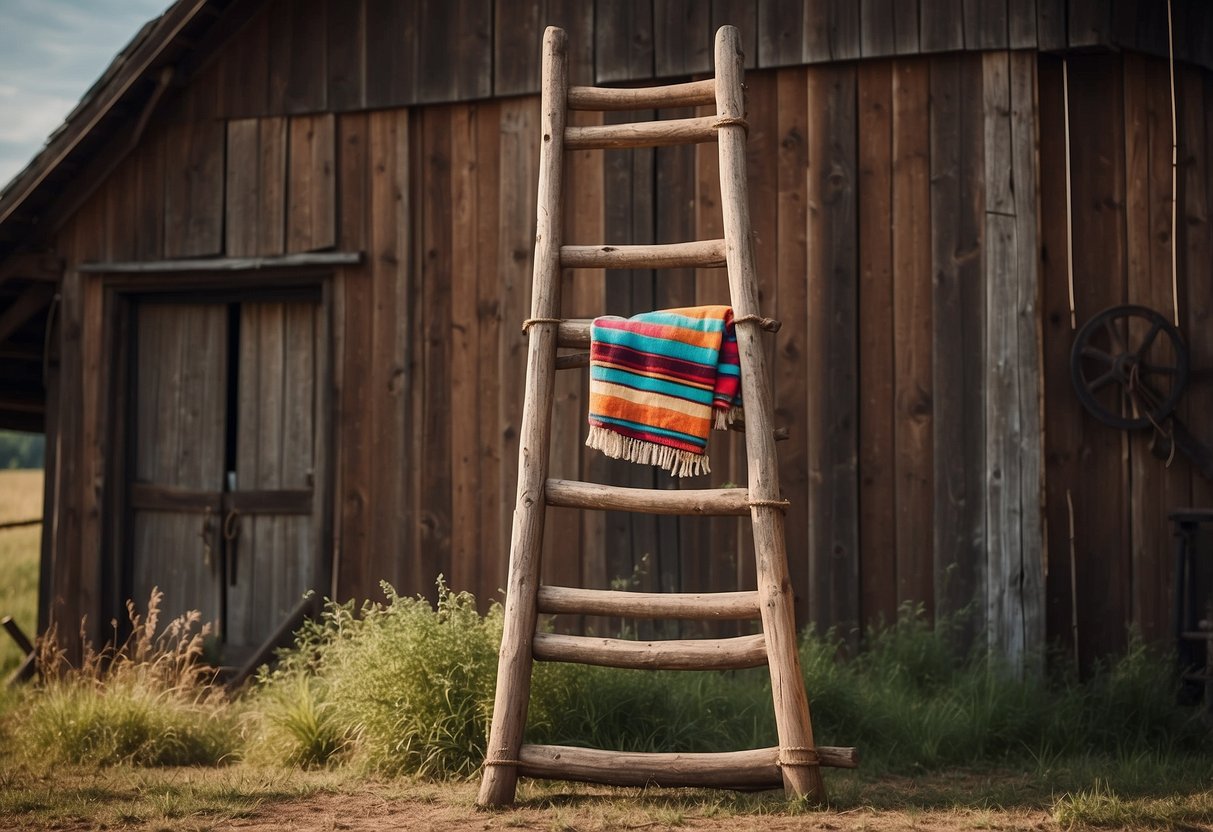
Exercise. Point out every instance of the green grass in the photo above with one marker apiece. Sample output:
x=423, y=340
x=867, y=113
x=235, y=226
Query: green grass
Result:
x=20, y=499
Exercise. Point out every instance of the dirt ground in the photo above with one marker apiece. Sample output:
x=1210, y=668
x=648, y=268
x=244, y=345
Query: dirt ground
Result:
x=366, y=812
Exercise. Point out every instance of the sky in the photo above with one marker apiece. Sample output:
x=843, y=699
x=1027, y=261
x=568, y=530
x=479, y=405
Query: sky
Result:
x=51, y=52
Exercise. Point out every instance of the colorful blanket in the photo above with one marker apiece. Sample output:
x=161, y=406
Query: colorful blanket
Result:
x=659, y=382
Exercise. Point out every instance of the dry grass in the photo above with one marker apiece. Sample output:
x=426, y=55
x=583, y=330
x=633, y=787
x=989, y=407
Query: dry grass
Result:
x=20, y=499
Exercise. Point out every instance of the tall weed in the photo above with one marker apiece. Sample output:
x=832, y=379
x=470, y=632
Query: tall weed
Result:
x=147, y=701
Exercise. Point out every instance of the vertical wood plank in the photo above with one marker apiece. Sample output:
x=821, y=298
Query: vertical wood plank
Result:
x=957, y=324
x=941, y=25
x=493, y=550
x=149, y=198
x=193, y=194
x=345, y=64
x=392, y=384
x=743, y=15
x=780, y=33
x=517, y=41
x=623, y=40
x=516, y=214
x=833, y=280
x=271, y=186
x=1196, y=241
x=831, y=31
x=911, y=331
x=1154, y=489
x=1088, y=23
x=878, y=554
x=985, y=24
x=1051, y=25
x=1021, y=24
x=1101, y=501
x=434, y=362
x=297, y=43
x=392, y=49
x=791, y=299
x=1063, y=413
x=354, y=393
x=877, y=28
x=244, y=69
x=682, y=37
x=242, y=190
x=311, y=218
x=465, y=254
x=455, y=54
x=905, y=27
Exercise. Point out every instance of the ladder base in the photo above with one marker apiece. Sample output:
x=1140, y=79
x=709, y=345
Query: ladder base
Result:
x=754, y=770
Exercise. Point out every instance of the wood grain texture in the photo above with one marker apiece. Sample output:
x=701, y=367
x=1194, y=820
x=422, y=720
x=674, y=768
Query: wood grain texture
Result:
x=831, y=31
x=696, y=654
x=1154, y=489
x=957, y=335
x=311, y=217
x=193, y=193
x=623, y=40
x=1101, y=499
x=832, y=350
x=913, y=395
x=790, y=386
x=941, y=25
x=878, y=553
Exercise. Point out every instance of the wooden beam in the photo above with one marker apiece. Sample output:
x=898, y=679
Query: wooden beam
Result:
x=45, y=268
x=226, y=264
x=26, y=306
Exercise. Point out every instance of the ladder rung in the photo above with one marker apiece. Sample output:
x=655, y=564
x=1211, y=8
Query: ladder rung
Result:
x=643, y=98
x=689, y=501
x=642, y=134
x=574, y=332
x=741, y=770
x=680, y=605
x=686, y=654
x=694, y=254
x=572, y=361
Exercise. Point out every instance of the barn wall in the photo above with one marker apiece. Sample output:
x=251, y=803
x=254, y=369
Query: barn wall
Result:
x=897, y=240
x=1121, y=138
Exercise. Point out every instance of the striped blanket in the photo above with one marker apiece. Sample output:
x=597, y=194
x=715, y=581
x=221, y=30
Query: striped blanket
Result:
x=659, y=382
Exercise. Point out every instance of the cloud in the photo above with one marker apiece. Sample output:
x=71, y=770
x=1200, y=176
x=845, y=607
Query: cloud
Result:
x=51, y=52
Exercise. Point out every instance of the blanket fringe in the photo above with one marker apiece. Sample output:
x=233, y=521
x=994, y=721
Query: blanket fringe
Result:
x=678, y=462
x=721, y=419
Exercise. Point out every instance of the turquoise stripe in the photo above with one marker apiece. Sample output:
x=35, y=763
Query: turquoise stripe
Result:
x=667, y=318
x=658, y=346
x=685, y=437
x=650, y=384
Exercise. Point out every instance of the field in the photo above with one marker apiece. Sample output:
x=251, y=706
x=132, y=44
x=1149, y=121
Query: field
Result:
x=20, y=499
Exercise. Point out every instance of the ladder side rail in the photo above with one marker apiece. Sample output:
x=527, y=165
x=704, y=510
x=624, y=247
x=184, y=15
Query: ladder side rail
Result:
x=801, y=773
x=500, y=779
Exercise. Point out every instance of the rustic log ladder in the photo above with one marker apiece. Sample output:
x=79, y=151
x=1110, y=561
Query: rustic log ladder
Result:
x=796, y=762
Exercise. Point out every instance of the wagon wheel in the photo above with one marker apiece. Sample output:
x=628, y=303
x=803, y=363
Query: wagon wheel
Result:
x=1124, y=373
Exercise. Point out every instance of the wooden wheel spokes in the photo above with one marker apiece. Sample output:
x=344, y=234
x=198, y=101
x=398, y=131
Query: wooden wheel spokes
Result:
x=1125, y=375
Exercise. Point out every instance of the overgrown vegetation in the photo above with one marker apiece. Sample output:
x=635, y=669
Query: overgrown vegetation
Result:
x=401, y=687
x=148, y=701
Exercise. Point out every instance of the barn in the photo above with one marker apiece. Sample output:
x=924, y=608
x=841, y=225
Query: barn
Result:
x=262, y=291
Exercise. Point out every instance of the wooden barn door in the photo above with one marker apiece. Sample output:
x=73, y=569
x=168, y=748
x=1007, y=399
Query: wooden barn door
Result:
x=178, y=440
x=224, y=504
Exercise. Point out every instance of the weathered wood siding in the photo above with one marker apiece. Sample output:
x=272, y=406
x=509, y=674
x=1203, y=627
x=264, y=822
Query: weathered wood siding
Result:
x=897, y=203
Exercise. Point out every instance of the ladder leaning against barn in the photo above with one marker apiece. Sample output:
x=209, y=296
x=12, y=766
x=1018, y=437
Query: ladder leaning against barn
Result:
x=795, y=762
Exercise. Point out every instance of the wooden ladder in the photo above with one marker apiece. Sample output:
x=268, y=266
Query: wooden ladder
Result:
x=796, y=762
